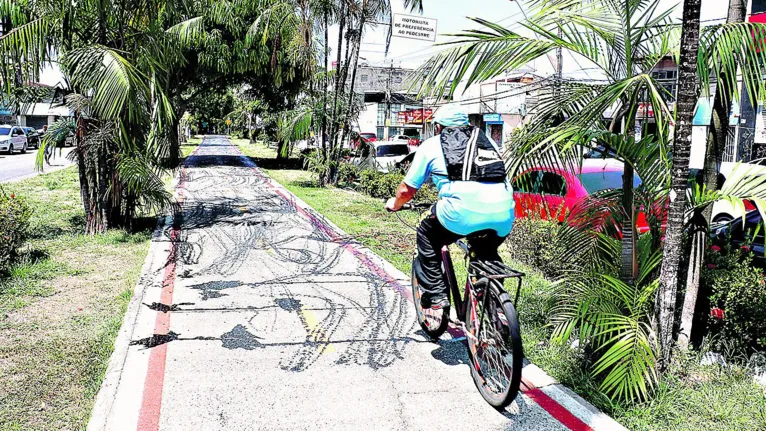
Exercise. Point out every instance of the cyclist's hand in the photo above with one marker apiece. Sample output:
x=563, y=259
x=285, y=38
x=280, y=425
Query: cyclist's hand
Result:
x=390, y=205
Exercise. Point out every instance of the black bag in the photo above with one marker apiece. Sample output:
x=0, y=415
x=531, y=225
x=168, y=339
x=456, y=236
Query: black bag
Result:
x=470, y=156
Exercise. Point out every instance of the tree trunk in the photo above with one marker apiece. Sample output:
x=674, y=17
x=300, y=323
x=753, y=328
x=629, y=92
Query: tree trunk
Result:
x=326, y=81
x=628, y=256
x=334, y=126
x=686, y=102
x=335, y=155
x=716, y=145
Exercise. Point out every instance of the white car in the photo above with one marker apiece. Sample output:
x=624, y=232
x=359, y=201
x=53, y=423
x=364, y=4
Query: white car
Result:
x=12, y=138
x=737, y=172
x=387, y=155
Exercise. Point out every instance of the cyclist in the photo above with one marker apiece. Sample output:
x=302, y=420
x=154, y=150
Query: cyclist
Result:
x=474, y=197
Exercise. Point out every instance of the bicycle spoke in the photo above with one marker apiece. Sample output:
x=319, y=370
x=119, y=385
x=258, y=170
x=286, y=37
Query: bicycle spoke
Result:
x=492, y=352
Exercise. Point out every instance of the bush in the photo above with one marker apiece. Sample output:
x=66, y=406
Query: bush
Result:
x=14, y=227
x=378, y=184
x=534, y=242
x=383, y=186
x=737, y=314
x=347, y=174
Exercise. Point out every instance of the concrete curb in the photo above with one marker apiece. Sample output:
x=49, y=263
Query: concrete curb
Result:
x=111, y=382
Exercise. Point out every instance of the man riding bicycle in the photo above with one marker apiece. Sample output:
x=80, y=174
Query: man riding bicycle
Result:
x=474, y=197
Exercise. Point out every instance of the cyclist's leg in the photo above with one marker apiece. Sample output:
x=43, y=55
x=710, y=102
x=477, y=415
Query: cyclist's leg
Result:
x=432, y=236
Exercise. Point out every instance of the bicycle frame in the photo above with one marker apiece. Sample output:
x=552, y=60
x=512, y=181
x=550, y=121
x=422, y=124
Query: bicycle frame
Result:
x=461, y=303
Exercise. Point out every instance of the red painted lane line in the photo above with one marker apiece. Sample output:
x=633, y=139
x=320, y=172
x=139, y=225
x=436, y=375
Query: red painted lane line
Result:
x=556, y=410
x=151, y=403
x=559, y=412
x=149, y=416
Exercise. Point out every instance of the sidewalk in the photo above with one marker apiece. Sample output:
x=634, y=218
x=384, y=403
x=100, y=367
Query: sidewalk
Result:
x=253, y=312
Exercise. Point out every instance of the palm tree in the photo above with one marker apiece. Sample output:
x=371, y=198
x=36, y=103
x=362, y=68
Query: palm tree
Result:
x=622, y=41
x=129, y=78
x=700, y=219
x=686, y=102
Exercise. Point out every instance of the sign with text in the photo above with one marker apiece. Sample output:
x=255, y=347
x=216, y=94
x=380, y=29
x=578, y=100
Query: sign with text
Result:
x=414, y=27
x=415, y=116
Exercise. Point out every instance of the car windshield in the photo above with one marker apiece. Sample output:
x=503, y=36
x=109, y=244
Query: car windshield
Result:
x=392, y=150
x=5, y=131
x=605, y=180
x=368, y=135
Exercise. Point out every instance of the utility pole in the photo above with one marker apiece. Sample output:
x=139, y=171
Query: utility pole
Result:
x=387, y=120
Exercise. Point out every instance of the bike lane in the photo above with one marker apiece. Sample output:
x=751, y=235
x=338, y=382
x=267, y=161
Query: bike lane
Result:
x=253, y=312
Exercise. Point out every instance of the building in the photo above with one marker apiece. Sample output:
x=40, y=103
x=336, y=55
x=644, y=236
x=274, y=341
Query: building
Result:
x=500, y=106
x=390, y=107
x=749, y=141
x=39, y=114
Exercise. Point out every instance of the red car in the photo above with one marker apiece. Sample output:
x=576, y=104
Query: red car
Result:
x=366, y=137
x=552, y=193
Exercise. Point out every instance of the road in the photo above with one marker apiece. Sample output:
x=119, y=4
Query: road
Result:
x=253, y=312
x=18, y=166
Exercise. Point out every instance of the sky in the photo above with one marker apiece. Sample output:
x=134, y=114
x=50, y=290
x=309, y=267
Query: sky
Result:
x=452, y=18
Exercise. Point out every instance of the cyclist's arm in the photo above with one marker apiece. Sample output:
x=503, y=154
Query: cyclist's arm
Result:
x=419, y=171
x=404, y=194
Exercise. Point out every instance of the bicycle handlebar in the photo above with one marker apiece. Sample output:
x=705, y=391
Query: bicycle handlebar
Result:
x=411, y=206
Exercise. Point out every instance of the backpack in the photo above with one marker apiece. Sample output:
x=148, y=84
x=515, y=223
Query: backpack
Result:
x=471, y=156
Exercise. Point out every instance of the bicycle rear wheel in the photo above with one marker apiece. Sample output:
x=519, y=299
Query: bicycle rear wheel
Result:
x=496, y=351
x=432, y=322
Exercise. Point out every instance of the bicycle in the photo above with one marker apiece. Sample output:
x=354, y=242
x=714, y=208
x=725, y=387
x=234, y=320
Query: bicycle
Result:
x=487, y=318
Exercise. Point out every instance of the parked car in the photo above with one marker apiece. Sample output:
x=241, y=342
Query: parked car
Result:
x=357, y=139
x=722, y=210
x=738, y=233
x=599, y=152
x=13, y=138
x=412, y=142
x=552, y=193
x=369, y=137
x=385, y=157
x=33, y=137
x=69, y=142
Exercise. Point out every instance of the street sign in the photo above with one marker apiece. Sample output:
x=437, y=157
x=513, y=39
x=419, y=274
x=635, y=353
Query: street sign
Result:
x=493, y=118
x=228, y=122
x=414, y=27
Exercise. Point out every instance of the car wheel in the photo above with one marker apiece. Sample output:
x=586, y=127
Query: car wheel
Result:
x=24, y=149
x=10, y=149
x=722, y=218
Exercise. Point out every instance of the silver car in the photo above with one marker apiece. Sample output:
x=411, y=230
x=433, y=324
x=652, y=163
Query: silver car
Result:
x=13, y=138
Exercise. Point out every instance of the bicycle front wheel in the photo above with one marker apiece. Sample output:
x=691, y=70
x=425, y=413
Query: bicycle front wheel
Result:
x=495, y=348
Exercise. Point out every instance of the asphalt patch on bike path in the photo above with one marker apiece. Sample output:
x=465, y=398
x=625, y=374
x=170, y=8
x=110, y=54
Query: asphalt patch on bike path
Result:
x=263, y=318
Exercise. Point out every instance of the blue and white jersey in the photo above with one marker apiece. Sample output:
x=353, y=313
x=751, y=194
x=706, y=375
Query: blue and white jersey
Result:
x=464, y=207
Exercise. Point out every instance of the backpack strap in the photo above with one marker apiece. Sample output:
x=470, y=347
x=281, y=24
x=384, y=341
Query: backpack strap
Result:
x=470, y=154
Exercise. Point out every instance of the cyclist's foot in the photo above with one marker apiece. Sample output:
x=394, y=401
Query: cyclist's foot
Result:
x=436, y=302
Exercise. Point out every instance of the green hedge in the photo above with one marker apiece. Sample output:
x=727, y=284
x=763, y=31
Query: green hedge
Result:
x=384, y=185
x=14, y=227
x=535, y=243
x=737, y=315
